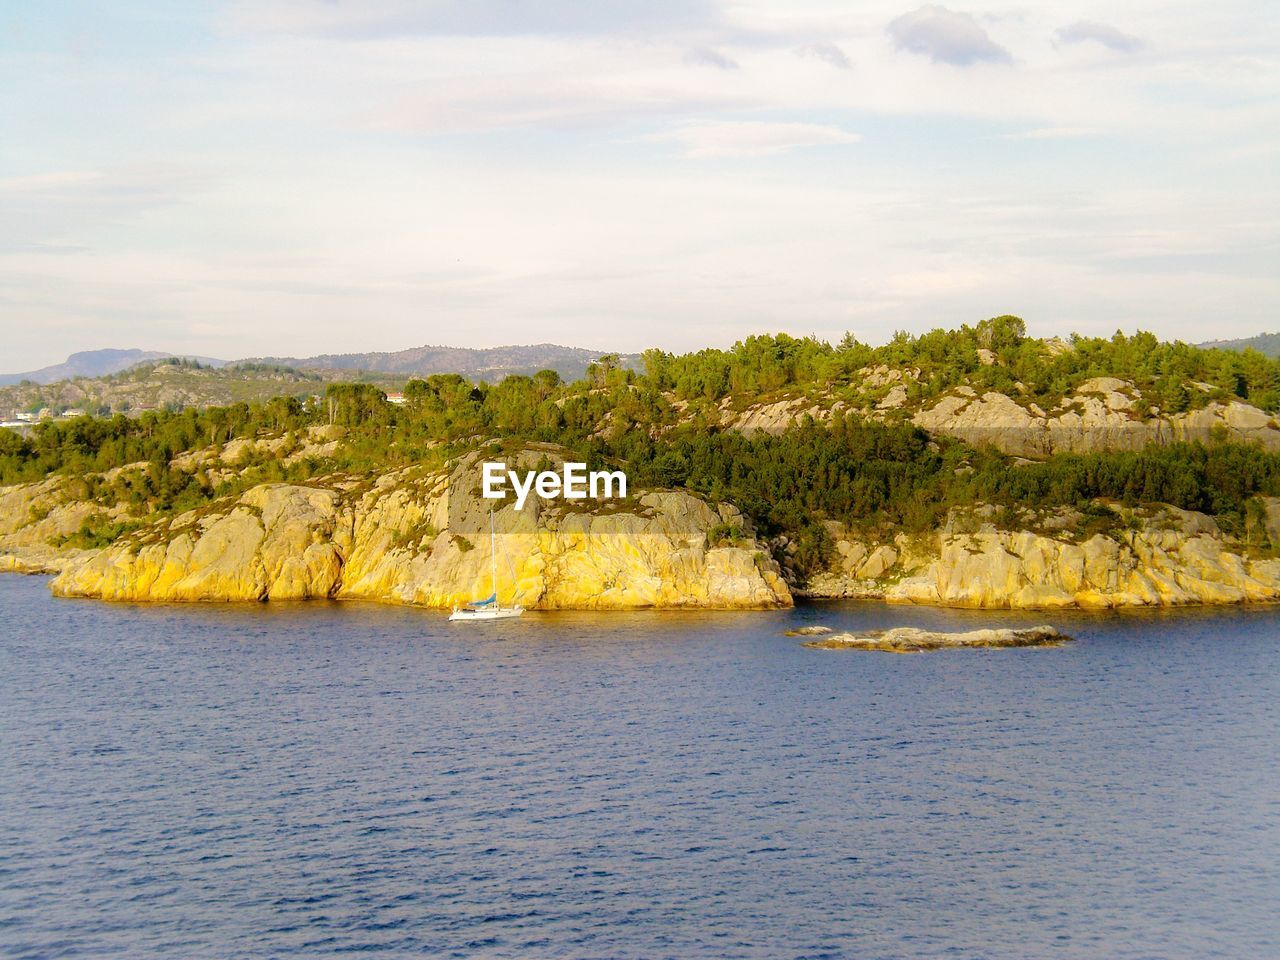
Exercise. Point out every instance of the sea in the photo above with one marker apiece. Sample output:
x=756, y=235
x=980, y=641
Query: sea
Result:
x=327, y=779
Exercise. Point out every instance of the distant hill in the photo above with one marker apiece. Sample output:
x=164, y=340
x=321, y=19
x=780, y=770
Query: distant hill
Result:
x=139, y=379
x=1264, y=343
x=94, y=363
x=491, y=363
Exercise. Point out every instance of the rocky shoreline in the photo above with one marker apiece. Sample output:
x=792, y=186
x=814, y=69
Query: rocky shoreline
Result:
x=393, y=538
x=388, y=539
x=1159, y=557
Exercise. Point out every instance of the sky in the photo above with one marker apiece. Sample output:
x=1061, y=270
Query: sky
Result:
x=291, y=177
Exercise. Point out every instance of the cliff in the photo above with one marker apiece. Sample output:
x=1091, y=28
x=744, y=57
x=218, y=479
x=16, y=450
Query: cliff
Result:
x=1169, y=558
x=389, y=540
x=396, y=539
x=36, y=519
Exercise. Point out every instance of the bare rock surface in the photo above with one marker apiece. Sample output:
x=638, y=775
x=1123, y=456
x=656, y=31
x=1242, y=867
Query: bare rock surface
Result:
x=396, y=539
x=915, y=640
x=1172, y=558
x=814, y=630
x=1104, y=413
x=36, y=516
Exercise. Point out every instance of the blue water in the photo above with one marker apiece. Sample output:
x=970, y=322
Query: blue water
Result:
x=320, y=779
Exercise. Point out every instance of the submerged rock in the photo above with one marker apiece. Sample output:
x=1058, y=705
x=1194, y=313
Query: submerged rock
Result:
x=915, y=640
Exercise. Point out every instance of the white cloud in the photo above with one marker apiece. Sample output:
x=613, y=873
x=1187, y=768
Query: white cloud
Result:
x=47, y=211
x=52, y=181
x=373, y=179
x=748, y=138
x=394, y=18
x=706, y=57
x=535, y=84
x=828, y=53
x=1103, y=33
x=1053, y=133
x=945, y=36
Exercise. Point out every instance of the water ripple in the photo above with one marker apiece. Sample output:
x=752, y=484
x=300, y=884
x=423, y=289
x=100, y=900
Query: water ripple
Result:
x=320, y=779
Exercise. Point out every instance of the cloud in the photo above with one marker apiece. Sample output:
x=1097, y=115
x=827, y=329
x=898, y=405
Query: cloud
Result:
x=752, y=138
x=541, y=99
x=1052, y=133
x=706, y=57
x=826, y=52
x=42, y=210
x=945, y=36
x=362, y=19
x=1103, y=33
x=373, y=164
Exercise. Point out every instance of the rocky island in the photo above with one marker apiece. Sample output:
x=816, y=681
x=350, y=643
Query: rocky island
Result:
x=976, y=468
x=915, y=640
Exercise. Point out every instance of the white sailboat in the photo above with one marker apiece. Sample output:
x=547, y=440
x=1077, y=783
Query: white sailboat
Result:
x=489, y=608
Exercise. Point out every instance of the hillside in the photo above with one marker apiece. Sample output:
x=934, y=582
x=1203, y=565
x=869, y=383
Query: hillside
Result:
x=134, y=380
x=1268, y=344
x=976, y=466
x=490, y=364
x=161, y=385
x=94, y=363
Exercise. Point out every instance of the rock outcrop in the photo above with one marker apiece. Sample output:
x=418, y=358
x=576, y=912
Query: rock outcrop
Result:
x=398, y=540
x=35, y=518
x=915, y=640
x=778, y=416
x=1105, y=413
x=1176, y=557
x=1101, y=414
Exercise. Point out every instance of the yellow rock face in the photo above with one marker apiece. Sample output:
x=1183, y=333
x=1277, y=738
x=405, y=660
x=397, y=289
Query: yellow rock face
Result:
x=33, y=514
x=391, y=540
x=392, y=543
x=1185, y=560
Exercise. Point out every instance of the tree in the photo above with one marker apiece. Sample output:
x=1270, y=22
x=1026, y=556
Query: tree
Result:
x=546, y=382
x=355, y=404
x=1001, y=333
x=599, y=369
x=1174, y=397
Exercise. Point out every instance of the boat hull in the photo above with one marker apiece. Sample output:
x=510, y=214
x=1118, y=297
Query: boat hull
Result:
x=502, y=613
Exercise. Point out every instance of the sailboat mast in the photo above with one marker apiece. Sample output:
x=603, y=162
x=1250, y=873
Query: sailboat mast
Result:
x=493, y=558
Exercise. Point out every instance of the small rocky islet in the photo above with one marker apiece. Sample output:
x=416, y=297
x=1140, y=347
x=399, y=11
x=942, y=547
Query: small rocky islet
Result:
x=917, y=640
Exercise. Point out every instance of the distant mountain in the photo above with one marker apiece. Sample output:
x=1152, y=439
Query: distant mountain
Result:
x=94, y=363
x=1265, y=343
x=492, y=363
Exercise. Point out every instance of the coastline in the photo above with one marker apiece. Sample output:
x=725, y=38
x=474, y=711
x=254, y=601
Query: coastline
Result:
x=808, y=608
x=55, y=567
x=392, y=541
